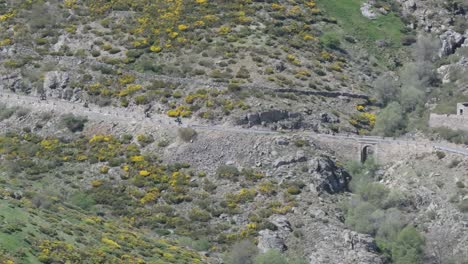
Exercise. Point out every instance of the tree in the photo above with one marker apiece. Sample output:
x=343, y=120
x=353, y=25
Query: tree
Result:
x=387, y=89
x=242, y=252
x=442, y=244
x=408, y=246
x=426, y=48
x=410, y=98
x=390, y=120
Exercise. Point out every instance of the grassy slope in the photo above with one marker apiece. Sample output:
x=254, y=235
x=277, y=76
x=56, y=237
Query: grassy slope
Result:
x=351, y=23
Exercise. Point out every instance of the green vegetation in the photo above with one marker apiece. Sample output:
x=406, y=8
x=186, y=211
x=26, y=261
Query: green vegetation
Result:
x=186, y=133
x=388, y=28
x=378, y=211
x=245, y=252
x=74, y=123
x=95, y=198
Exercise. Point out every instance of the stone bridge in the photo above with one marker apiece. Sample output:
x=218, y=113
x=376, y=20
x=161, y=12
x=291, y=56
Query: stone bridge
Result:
x=384, y=150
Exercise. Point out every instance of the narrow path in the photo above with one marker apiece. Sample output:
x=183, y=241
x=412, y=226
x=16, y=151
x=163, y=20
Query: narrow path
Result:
x=207, y=83
x=127, y=116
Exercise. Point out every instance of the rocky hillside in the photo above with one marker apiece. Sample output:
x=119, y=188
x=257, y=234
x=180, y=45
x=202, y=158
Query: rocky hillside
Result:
x=93, y=168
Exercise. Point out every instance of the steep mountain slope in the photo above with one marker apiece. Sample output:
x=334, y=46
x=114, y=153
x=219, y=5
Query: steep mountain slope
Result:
x=93, y=168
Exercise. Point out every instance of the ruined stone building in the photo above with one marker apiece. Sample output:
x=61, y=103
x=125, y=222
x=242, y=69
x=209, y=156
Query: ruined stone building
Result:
x=459, y=121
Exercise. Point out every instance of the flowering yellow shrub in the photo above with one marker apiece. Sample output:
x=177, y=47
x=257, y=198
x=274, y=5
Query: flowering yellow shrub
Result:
x=126, y=79
x=201, y=1
x=360, y=107
x=266, y=188
x=81, y=157
x=189, y=99
x=363, y=120
x=180, y=111
x=137, y=158
x=144, y=173
x=337, y=66
x=131, y=89
x=291, y=58
x=310, y=4
x=96, y=183
x=5, y=42
x=371, y=117
x=277, y=6
x=326, y=56
x=199, y=23
x=70, y=3
x=6, y=16
x=155, y=48
x=182, y=27
x=151, y=196
x=104, y=169
x=224, y=30
x=100, y=138
x=307, y=37
x=110, y=242
x=179, y=179
x=49, y=144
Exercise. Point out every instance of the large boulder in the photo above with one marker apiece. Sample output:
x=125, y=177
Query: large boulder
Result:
x=328, y=177
x=451, y=40
x=268, y=239
x=366, y=11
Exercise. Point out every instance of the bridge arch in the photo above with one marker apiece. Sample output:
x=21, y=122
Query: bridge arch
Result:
x=366, y=152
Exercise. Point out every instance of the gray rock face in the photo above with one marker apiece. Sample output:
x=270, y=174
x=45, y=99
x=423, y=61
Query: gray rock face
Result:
x=450, y=41
x=269, y=117
x=281, y=222
x=268, y=239
x=55, y=82
x=299, y=157
x=329, y=118
x=358, y=241
x=10, y=82
x=326, y=176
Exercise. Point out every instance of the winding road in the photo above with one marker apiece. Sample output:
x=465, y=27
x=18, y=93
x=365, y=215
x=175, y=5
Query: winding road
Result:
x=132, y=116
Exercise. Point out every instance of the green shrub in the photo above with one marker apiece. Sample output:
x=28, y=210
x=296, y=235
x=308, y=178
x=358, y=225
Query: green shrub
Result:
x=145, y=140
x=74, y=123
x=242, y=252
x=301, y=143
x=6, y=112
x=141, y=99
x=440, y=154
x=408, y=246
x=163, y=143
x=186, y=133
x=82, y=200
x=390, y=120
x=199, y=215
x=228, y=172
x=454, y=163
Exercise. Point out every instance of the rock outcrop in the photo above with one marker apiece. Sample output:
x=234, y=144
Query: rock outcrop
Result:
x=268, y=239
x=290, y=119
x=328, y=177
x=451, y=40
x=366, y=11
x=56, y=85
x=299, y=157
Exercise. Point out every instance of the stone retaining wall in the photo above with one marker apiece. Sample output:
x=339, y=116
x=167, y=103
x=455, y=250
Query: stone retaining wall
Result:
x=455, y=122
